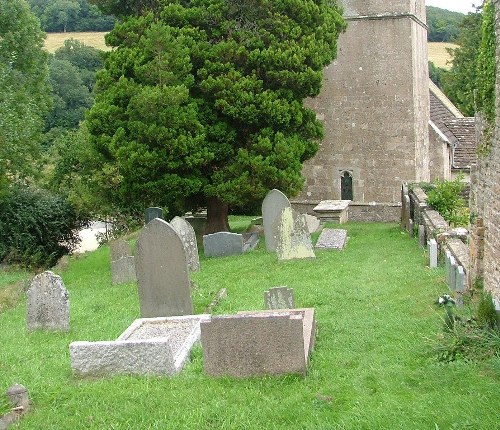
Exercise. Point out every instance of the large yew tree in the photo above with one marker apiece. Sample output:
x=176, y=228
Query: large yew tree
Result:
x=200, y=103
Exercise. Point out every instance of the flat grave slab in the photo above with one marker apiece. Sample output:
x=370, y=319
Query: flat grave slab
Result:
x=332, y=238
x=149, y=346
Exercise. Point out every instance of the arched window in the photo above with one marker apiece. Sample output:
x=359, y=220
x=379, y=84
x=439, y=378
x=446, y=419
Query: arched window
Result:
x=346, y=186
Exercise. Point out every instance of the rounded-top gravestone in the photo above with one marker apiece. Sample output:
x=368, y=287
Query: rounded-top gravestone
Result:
x=272, y=207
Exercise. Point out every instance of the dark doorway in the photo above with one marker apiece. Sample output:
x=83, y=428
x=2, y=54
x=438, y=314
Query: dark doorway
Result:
x=346, y=186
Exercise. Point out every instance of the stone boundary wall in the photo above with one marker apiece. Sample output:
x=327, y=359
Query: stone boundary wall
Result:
x=454, y=240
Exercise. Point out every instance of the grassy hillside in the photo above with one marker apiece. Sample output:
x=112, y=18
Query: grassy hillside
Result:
x=372, y=366
x=438, y=54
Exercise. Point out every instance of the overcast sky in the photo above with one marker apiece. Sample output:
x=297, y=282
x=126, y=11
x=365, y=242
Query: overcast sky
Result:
x=463, y=6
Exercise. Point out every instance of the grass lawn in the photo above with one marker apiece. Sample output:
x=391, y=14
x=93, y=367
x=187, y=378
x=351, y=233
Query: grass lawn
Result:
x=372, y=366
x=53, y=41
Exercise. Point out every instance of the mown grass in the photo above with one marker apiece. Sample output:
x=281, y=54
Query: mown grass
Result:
x=371, y=368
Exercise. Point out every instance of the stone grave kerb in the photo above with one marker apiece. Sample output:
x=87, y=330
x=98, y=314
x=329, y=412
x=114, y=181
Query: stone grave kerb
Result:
x=162, y=272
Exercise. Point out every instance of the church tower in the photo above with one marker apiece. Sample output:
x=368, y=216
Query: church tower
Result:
x=374, y=105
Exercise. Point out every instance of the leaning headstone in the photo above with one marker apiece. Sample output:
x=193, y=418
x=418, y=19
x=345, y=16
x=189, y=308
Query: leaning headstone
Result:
x=421, y=235
x=222, y=244
x=294, y=240
x=151, y=213
x=410, y=228
x=250, y=241
x=48, y=303
x=279, y=298
x=162, y=272
x=313, y=223
x=258, y=343
x=188, y=237
x=272, y=207
x=433, y=253
x=405, y=214
x=332, y=238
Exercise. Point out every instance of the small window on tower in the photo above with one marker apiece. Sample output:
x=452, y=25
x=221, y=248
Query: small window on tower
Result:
x=346, y=186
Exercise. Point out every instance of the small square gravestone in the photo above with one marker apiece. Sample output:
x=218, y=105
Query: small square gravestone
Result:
x=48, y=303
x=279, y=298
x=151, y=213
x=222, y=244
x=433, y=253
x=294, y=240
x=188, y=237
x=162, y=272
x=272, y=207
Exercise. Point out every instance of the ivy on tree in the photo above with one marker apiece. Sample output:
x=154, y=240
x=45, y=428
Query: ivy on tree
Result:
x=201, y=102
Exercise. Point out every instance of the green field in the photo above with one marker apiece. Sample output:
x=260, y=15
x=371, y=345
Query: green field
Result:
x=373, y=366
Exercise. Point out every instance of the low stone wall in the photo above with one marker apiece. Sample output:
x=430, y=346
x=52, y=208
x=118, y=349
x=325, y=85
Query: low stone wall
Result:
x=416, y=212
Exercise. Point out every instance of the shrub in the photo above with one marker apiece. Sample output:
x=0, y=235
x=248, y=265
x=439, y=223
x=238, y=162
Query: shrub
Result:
x=486, y=312
x=445, y=197
x=37, y=227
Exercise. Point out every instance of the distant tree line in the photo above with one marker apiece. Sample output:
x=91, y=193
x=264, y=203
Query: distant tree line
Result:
x=70, y=15
x=444, y=25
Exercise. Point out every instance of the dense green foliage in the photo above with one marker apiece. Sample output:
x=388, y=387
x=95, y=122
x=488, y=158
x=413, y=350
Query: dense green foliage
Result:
x=36, y=227
x=470, y=84
x=443, y=24
x=436, y=74
x=486, y=313
x=204, y=101
x=371, y=367
x=70, y=15
x=72, y=75
x=24, y=90
x=446, y=198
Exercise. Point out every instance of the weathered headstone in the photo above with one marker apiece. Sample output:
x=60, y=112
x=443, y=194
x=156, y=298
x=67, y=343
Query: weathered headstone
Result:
x=433, y=253
x=162, y=272
x=332, y=238
x=405, y=222
x=222, y=244
x=250, y=241
x=421, y=235
x=151, y=213
x=447, y=263
x=122, y=262
x=272, y=207
x=119, y=248
x=453, y=273
x=460, y=280
x=313, y=223
x=294, y=240
x=188, y=237
x=410, y=228
x=279, y=298
x=48, y=303
x=258, y=343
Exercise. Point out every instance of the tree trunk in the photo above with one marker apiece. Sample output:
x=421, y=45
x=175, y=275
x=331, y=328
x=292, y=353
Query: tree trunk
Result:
x=217, y=212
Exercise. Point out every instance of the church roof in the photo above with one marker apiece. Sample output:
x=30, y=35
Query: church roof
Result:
x=460, y=131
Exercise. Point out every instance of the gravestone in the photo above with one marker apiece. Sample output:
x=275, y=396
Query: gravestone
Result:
x=433, y=253
x=332, y=238
x=313, y=223
x=447, y=262
x=421, y=235
x=405, y=213
x=460, y=280
x=188, y=238
x=453, y=273
x=119, y=248
x=333, y=211
x=250, y=241
x=272, y=207
x=294, y=240
x=410, y=228
x=48, y=303
x=122, y=262
x=258, y=343
x=222, y=244
x=151, y=213
x=162, y=272
x=279, y=298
